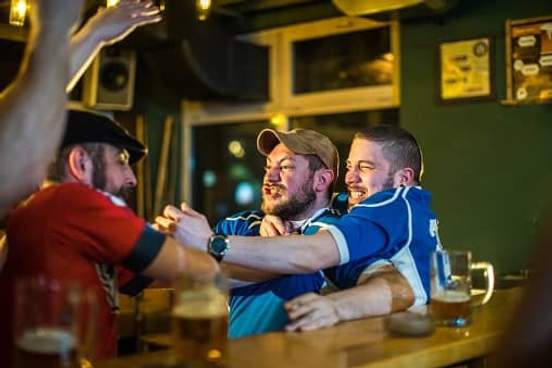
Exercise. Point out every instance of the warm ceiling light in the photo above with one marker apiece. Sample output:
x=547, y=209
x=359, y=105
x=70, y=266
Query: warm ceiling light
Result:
x=279, y=121
x=18, y=12
x=112, y=3
x=203, y=8
x=364, y=7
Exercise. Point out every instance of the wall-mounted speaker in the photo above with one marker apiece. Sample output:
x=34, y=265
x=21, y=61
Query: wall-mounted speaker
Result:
x=109, y=82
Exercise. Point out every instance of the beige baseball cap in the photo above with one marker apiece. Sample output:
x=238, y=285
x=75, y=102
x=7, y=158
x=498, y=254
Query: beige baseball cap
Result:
x=302, y=142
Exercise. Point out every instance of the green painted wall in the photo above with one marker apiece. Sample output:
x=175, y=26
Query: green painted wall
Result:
x=489, y=166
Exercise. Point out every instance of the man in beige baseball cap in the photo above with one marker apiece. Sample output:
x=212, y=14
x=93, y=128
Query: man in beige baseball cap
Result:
x=301, y=168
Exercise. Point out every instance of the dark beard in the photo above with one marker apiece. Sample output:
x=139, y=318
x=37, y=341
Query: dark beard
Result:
x=295, y=205
x=125, y=193
x=99, y=179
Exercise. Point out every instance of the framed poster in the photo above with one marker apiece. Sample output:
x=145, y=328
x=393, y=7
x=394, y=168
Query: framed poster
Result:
x=529, y=60
x=465, y=70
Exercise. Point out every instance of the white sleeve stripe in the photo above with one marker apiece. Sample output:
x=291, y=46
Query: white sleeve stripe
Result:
x=405, y=264
x=254, y=223
x=252, y=216
x=383, y=203
x=341, y=243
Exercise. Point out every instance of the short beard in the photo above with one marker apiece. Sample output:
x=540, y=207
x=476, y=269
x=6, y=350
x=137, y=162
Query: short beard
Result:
x=296, y=205
x=125, y=193
x=99, y=178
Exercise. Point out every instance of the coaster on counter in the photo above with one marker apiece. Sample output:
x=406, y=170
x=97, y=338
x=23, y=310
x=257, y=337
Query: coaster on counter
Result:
x=410, y=324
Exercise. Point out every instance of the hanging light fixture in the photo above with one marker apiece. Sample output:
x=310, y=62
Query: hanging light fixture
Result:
x=365, y=7
x=203, y=9
x=18, y=12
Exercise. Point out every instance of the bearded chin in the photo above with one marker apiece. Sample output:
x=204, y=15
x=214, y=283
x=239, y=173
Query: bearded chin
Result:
x=293, y=208
x=124, y=193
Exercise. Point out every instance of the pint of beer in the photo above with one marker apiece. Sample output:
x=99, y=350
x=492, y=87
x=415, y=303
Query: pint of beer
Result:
x=200, y=321
x=54, y=324
x=451, y=302
x=46, y=347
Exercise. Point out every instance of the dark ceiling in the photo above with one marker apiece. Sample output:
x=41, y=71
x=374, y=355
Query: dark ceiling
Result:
x=251, y=15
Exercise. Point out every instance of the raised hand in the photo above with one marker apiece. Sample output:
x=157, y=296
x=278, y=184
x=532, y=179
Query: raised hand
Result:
x=274, y=226
x=115, y=23
x=187, y=226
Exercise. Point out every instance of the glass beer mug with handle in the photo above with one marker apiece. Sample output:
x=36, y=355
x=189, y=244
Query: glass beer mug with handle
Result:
x=200, y=320
x=451, y=294
x=54, y=324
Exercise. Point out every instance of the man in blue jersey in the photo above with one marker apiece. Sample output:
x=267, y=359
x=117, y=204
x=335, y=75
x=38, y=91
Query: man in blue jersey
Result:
x=389, y=219
x=300, y=171
x=367, y=178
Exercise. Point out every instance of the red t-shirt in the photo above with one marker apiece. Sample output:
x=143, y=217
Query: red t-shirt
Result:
x=72, y=232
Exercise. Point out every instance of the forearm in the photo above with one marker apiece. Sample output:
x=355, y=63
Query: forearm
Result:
x=83, y=48
x=384, y=292
x=32, y=111
x=294, y=254
x=366, y=300
x=247, y=274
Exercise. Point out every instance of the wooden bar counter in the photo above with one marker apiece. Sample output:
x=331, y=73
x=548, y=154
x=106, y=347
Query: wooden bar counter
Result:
x=362, y=343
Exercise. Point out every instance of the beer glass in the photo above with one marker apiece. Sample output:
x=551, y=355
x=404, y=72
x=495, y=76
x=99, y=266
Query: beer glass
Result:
x=200, y=320
x=451, y=302
x=54, y=324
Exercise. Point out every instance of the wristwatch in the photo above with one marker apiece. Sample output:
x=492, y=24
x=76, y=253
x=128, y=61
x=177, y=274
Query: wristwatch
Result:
x=217, y=246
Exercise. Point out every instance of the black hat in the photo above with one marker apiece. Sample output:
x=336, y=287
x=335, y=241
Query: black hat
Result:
x=90, y=127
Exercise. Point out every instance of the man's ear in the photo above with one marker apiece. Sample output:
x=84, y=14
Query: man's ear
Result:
x=78, y=164
x=323, y=179
x=404, y=177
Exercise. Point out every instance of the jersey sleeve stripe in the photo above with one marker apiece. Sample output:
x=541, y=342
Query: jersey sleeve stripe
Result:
x=242, y=218
x=405, y=263
x=382, y=203
x=341, y=243
x=253, y=224
x=146, y=249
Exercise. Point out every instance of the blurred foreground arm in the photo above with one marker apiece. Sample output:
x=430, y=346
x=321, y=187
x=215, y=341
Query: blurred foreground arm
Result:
x=32, y=108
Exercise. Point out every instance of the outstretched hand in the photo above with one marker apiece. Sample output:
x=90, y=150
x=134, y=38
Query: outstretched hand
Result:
x=187, y=226
x=115, y=23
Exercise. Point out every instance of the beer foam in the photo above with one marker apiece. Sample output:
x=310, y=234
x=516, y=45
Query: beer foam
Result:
x=451, y=296
x=46, y=341
x=191, y=311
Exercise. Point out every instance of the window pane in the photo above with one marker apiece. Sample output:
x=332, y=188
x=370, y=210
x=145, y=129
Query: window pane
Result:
x=227, y=169
x=341, y=128
x=356, y=59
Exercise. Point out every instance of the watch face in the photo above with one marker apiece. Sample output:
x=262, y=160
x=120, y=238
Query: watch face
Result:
x=219, y=244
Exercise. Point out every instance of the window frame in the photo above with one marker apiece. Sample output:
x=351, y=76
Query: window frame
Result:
x=283, y=103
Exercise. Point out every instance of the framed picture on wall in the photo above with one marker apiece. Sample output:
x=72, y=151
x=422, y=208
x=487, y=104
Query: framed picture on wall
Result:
x=466, y=70
x=529, y=60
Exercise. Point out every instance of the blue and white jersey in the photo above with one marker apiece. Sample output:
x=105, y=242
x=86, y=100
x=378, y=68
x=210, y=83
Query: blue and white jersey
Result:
x=259, y=307
x=395, y=226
